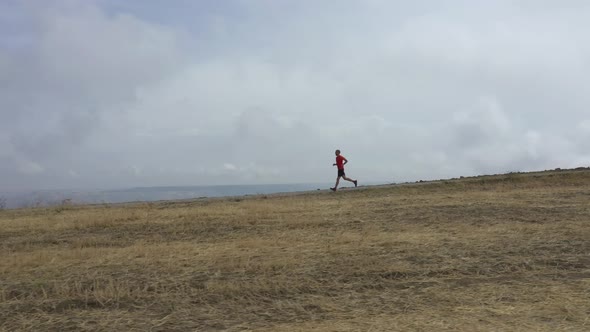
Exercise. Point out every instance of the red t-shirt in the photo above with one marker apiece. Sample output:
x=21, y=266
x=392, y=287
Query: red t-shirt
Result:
x=340, y=161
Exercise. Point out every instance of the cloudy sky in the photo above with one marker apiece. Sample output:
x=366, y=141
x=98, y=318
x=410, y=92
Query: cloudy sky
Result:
x=108, y=93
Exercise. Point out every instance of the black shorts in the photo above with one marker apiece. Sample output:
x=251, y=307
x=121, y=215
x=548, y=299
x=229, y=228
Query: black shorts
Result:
x=341, y=172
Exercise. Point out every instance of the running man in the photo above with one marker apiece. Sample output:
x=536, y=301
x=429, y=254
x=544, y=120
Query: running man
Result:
x=340, y=162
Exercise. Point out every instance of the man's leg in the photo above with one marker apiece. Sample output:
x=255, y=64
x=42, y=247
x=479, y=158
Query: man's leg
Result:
x=336, y=186
x=351, y=180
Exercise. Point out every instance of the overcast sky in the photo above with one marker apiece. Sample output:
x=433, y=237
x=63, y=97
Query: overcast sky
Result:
x=108, y=93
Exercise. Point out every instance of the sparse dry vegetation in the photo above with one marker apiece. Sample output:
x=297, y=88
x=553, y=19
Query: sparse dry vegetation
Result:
x=501, y=253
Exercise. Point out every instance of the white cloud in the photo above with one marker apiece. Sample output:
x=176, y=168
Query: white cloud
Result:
x=30, y=168
x=229, y=167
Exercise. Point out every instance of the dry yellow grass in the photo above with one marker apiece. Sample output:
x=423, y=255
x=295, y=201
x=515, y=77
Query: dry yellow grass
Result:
x=502, y=253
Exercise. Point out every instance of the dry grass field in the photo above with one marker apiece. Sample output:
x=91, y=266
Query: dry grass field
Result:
x=497, y=253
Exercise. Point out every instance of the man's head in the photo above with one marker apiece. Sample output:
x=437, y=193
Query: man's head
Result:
x=337, y=152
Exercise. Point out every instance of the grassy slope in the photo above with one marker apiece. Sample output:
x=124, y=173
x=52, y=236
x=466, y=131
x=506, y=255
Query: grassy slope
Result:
x=478, y=254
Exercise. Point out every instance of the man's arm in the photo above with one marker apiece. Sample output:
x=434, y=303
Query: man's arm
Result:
x=345, y=161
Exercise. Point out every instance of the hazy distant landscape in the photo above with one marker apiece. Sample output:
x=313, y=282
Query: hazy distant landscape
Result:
x=492, y=253
x=59, y=197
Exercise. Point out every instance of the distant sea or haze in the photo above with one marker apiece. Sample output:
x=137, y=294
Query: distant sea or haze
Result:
x=57, y=197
